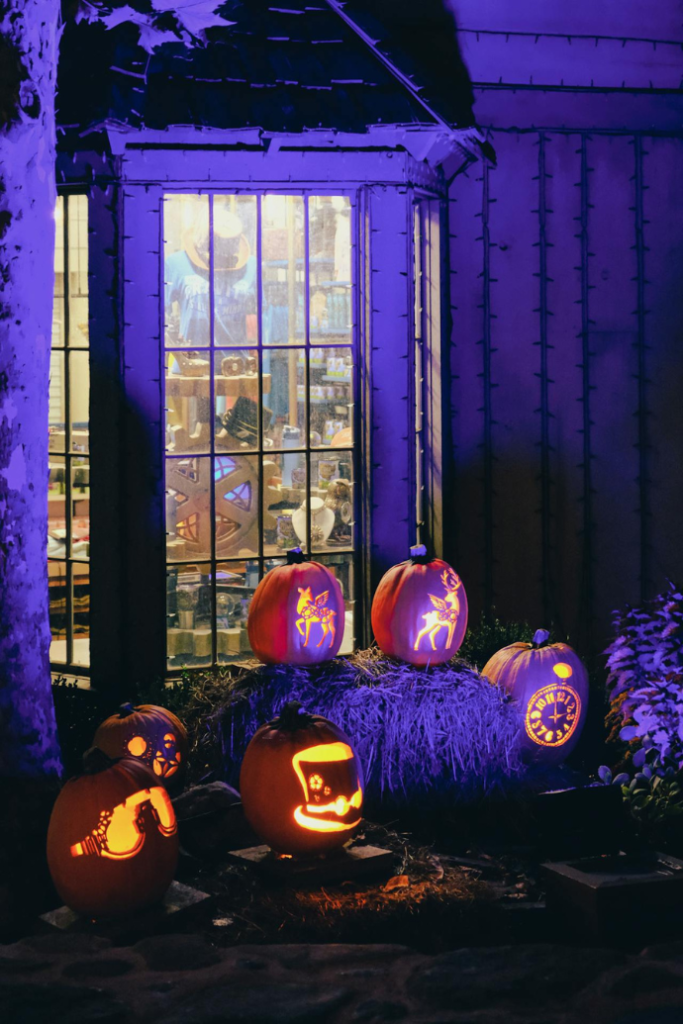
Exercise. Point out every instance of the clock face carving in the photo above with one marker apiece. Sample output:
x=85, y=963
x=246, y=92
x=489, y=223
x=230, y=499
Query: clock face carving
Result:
x=552, y=714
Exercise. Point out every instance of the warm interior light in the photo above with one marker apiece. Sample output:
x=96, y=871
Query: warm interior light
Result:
x=552, y=715
x=309, y=816
x=563, y=670
x=118, y=836
x=314, y=609
x=137, y=746
x=445, y=613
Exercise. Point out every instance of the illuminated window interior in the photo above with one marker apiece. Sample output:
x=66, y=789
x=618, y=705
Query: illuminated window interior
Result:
x=259, y=392
x=68, y=542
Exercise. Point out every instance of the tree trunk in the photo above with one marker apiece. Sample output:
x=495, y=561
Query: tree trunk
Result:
x=29, y=36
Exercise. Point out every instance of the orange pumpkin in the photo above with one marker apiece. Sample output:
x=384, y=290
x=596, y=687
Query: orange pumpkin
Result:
x=301, y=784
x=112, y=842
x=296, y=616
x=151, y=734
x=419, y=611
x=550, y=682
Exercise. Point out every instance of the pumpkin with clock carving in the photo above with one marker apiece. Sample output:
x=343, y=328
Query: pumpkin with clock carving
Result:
x=301, y=784
x=550, y=682
x=151, y=734
x=296, y=616
x=112, y=842
x=419, y=611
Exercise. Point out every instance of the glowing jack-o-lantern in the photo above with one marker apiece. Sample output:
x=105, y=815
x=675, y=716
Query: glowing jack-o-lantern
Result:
x=296, y=616
x=151, y=734
x=112, y=844
x=301, y=784
x=419, y=611
x=551, y=684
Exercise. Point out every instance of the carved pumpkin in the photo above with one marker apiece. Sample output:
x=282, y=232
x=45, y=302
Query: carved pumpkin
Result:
x=151, y=734
x=112, y=842
x=296, y=616
x=551, y=684
x=419, y=611
x=301, y=784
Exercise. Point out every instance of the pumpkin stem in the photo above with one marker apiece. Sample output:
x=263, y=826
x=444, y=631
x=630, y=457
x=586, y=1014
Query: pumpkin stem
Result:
x=95, y=761
x=541, y=637
x=292, y=717
x=295, y=556
x=419, y=554
x=126, y=709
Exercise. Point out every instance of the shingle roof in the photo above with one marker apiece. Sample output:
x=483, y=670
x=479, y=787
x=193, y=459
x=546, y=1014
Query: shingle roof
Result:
x=286, y=66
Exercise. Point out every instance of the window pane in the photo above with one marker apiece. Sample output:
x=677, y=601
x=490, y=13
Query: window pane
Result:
x=284, y=403
x=344, y=569
x=237, y=495
x=188, y=508
x=188, y=405
x=81, y=614
x=235, y=586
x=58, y=322
x=57, y=406
x=186, y=271
x=236, y=401
x=283, y=270
x=77, y=234
x=329, y=219
x=80, y=505
x=284, y=515
x=57, y=582
x=56, y=507
x=331, y=396
x=188, y=616
x=234, y=278
x=79, y=399
x=331, y=500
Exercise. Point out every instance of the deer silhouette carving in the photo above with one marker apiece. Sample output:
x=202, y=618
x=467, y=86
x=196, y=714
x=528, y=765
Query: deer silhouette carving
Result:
x=310, y=610
x=445, y=614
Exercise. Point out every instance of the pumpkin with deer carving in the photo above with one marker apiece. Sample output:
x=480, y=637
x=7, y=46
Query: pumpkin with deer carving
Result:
x=419, y=612
x=296, y=616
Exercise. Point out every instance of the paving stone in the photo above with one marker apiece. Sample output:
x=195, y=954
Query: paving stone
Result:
x=665, y=951
x=98, y=968
x=268, y=1004
x=376, y=1011
x=252, y=964
x=641, y=979
x=653, y=1015
x=177, y=952
x=17, y=964
x=67, y=943
x=487, y=976
x=67, y=1004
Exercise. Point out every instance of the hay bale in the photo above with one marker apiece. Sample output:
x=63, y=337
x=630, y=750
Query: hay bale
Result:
x=442, y=735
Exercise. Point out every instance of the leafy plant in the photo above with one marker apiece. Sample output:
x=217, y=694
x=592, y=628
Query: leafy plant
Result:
x=645, y=663
x=653, y=796
x=488, y=636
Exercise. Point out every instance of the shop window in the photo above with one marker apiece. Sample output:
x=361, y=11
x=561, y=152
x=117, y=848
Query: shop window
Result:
x=260, y=358
x=68, y=543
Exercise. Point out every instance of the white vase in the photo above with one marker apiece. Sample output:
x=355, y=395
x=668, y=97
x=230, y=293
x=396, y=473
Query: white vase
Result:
x=322, y=522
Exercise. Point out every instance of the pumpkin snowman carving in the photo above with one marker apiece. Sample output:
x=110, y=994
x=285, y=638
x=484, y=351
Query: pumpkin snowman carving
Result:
x=150, y=734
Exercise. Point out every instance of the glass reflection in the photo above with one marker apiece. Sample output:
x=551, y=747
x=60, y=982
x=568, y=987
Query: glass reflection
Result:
x=234, y=262
x=329, y=219
x=186, y=271
x=283, y=270
x=188, y=616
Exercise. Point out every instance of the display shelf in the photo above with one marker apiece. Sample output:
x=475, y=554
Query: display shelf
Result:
x=178, y=386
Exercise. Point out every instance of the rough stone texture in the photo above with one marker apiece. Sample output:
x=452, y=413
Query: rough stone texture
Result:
x=177, y=953
x=185, y=979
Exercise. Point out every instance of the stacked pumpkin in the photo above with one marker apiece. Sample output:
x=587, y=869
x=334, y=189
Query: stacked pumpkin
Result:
x=112, y=844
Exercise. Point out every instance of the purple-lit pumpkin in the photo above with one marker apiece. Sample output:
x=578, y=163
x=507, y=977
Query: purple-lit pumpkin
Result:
x=551, y=684
x=301, y=784
x=112, y=842
x=296, y=616
x=419, y=611
x=151, y=734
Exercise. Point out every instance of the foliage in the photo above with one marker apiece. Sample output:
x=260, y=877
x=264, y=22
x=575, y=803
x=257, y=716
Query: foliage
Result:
x=427, y=734
x=653, y=796
x=645, y=663
x=483, y=640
